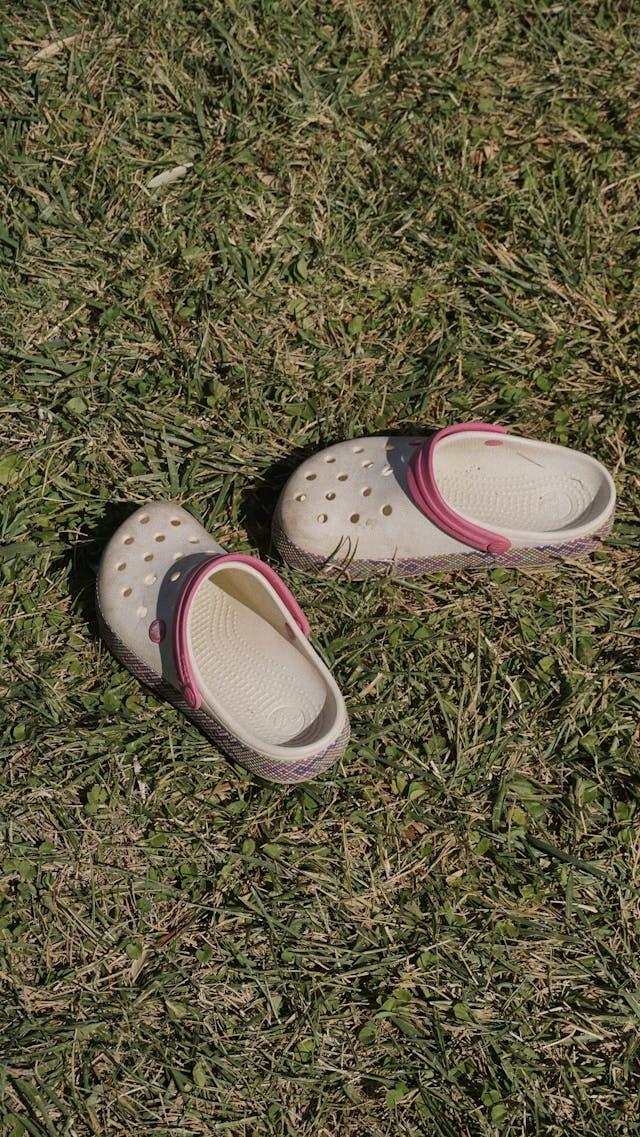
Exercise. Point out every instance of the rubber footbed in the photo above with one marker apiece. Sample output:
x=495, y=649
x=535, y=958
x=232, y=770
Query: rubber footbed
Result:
x=248, y=668
x=504, y=486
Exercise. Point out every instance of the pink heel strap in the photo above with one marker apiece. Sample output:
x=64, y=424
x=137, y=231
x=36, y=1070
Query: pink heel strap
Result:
x=425, y=494
x=184, y=671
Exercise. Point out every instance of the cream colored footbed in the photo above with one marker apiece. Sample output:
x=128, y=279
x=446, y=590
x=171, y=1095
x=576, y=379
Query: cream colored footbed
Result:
x=248, y=668
x=512, y=486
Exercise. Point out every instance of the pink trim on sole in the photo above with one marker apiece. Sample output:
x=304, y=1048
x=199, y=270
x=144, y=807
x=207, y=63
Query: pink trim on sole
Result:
x=424, y=492
x=349, y=566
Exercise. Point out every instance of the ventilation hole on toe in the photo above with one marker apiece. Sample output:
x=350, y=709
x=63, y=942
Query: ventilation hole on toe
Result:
x=358, y=449
x=342, y=477
x=365, y=491
x=301, y=497
x=354, y=517
x=176, y=521
x=144, y=519
x=387, y=470
x=122, y=566
x=330, y=459
x=142, y=611
x=367, y=465
x=159, y=537
x=330, y=496
x=148, y=557
x=150, y=579
x=128, y=541
x=175, y=576
x=194, y=540
x=311, y=477
x=127, y=591
x=322, y=517
x=386, y=511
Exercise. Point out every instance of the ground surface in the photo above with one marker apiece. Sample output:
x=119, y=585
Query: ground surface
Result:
x=391, y=214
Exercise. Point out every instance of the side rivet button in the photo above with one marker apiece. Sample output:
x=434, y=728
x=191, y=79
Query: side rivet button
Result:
x=157, y=631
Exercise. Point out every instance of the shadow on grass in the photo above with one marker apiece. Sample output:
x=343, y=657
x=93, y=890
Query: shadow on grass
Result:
x=84, y=559
x=258, y=503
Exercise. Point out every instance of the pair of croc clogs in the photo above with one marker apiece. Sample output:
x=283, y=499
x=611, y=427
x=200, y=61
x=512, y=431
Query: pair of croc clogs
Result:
x=221, y=637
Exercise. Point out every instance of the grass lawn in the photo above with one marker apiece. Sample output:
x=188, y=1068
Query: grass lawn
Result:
x=376, y=215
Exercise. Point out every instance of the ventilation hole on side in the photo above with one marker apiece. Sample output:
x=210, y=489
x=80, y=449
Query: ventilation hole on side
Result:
x=386, y=510
x=122, y=566
x=160, y=537
x=148, y=557
x=194, y=540
x=354, y=518
x=301, y=497
x=330, y=496
x=311, y=477
x=150, y=579
x=322, y=517
x=365, y=491
x=342, y=477
x=387, y=470
x=127, y=591
x=176, y=521
x=367, y=465
x=358, y=450
x=128, y=541
x=175, y=576
x=390, y=446
x=144, y=519
x=330, y=459
x=178, y=556
x=142, y=611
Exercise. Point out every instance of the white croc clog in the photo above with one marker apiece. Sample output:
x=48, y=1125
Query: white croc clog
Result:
x=220, y=636
x=469, y=496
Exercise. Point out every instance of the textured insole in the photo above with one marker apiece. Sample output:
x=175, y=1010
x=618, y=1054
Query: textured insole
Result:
x=251, y=672
x=508, y=486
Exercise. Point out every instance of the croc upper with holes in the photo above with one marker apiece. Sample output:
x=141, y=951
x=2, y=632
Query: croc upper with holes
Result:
x=220, y=636
x=468, y=496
